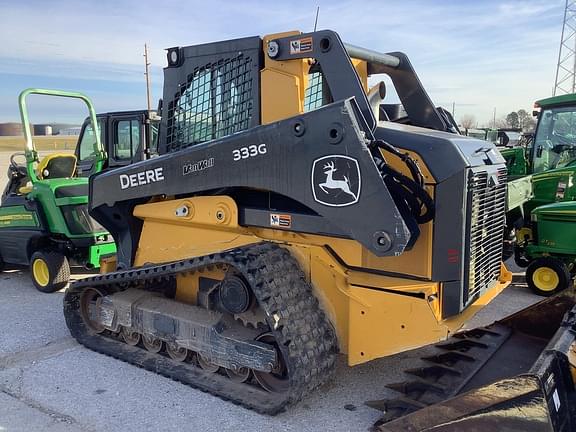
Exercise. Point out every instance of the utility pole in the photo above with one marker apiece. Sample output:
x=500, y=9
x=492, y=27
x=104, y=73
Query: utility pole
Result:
x=494, y=119
x=565, y=81
x=147, y=73
x=453, y=108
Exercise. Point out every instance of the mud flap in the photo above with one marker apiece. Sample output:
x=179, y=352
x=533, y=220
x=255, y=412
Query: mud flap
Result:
x=501, y=393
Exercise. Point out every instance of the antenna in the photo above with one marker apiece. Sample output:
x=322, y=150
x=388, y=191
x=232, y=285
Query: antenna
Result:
x=147, y=73
x=565, y=81
x=316, y=20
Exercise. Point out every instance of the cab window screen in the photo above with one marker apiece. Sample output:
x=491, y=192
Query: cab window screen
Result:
x=215, y=101
x=127, y=139
x=317, y=93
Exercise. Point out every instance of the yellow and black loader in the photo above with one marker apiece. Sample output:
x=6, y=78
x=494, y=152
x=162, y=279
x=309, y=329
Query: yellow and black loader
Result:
x=291, y=217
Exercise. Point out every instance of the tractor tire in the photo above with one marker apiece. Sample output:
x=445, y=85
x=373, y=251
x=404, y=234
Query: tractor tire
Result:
x=50, y=271
x=2, y=264
x=546, y=276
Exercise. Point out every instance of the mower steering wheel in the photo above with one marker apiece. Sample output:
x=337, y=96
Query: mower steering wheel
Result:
x=20, y=169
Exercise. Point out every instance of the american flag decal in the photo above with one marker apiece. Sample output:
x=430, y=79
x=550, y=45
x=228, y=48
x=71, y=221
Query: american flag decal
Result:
x=280, y=220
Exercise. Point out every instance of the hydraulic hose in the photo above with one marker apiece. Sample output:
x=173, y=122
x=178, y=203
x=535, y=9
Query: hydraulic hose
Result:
x=409, y=191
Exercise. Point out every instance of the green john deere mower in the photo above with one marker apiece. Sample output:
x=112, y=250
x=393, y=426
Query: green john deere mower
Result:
x=44, y=220
x=548, y=247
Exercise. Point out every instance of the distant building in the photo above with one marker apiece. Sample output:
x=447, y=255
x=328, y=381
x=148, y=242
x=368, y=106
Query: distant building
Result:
x=15, y=129
x=10, y=129
x=70, y=131
x=42, y=129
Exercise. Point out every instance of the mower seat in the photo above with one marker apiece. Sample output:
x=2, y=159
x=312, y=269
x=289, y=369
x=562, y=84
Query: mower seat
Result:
x=25, y=190
x=58, y=165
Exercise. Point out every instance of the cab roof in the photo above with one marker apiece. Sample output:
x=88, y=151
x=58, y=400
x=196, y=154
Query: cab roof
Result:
x=565, y=99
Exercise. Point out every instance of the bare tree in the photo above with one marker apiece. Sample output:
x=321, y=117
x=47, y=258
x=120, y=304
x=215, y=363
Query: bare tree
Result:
x=468, y=121
x=501, y=123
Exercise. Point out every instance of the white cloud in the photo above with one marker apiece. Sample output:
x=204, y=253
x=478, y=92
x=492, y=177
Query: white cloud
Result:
x=479, y=55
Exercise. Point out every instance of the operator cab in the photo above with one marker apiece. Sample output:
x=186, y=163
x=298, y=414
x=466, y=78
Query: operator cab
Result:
x=127, y=137
x=555, y=140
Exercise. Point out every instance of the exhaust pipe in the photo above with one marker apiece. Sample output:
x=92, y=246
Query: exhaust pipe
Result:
x=375, y=96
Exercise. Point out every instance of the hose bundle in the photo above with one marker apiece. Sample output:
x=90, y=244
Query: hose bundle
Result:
x=407, y=192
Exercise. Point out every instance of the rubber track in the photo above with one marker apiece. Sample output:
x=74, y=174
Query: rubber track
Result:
x=305, y=336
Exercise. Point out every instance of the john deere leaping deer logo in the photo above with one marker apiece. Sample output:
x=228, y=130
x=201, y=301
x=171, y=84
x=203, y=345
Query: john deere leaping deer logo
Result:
x=336, y=180
x=331, y=183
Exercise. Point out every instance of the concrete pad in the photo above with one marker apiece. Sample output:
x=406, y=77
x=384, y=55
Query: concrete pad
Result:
x=17, y=416
x=29, y=318
x=107, y=394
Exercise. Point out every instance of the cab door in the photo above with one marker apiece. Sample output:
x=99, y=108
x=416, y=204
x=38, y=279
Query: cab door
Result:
x=86, y=158
x=126, y=144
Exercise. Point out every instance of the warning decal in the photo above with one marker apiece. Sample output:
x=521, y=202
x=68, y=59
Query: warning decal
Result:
x=299, y=46
x=280, y=220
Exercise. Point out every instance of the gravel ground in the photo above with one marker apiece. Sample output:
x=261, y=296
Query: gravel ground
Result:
x=48, y=382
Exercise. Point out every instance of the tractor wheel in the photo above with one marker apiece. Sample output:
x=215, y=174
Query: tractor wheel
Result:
x=2, y=264
x=50, y=271
x=546, y=276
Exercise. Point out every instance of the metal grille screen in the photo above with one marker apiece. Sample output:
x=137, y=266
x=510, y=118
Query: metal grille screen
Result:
x=313, y=95
x=487, y=220
x=215, y=101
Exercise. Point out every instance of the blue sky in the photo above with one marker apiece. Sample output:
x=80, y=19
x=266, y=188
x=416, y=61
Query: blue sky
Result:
x=479, y=54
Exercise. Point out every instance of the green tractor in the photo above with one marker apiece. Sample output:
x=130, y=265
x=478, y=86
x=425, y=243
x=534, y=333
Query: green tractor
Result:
x=545, y=237
x=550, y=157
x=44, y=220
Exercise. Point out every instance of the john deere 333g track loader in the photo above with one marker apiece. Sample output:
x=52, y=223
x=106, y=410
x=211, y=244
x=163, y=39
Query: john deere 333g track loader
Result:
x=283, y=223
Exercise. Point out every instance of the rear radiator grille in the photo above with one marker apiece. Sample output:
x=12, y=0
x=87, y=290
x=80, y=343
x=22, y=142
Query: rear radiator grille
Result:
x=486, y=220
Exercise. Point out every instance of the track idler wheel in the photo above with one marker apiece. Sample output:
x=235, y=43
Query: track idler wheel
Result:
x=90, y=301
x=276, y=381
